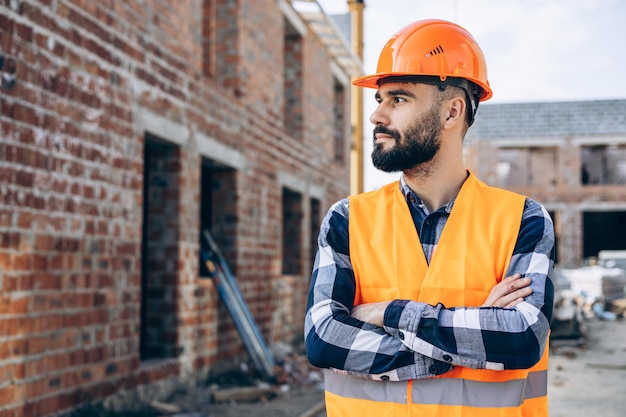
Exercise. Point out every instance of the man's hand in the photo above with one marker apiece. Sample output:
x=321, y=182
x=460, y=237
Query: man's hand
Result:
x=509, y=292
x=373, y=313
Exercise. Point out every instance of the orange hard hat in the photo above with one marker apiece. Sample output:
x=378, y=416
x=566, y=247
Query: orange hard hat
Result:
x=433, y=48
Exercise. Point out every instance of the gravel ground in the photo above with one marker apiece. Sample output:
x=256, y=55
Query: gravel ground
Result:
x=590, y=379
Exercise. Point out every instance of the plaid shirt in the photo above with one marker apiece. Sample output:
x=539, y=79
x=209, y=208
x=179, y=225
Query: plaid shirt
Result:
x=421, y=340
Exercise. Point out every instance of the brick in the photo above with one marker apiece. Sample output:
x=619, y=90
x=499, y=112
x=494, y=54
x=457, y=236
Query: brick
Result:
x=9, y=394
x=6, y=23
x=23, y=31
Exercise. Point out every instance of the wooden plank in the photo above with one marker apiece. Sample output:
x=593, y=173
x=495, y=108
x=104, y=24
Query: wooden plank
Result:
x=242, y=394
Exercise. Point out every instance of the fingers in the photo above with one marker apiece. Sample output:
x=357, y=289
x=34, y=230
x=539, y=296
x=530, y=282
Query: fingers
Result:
x=514, y=303
x=512, y=299
x=512, y=283
x=510, y=280
x=515, y=293
x=509, y=292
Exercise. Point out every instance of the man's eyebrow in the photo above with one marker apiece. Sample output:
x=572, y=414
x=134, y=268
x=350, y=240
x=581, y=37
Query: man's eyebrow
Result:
x=397, y=92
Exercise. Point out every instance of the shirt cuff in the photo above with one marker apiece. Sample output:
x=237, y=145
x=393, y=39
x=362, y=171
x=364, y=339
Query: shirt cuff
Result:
x=403, y=316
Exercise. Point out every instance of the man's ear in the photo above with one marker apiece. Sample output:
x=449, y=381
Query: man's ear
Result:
x=456, y=109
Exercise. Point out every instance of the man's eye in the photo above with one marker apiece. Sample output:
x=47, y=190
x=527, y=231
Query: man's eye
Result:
x=398, y=99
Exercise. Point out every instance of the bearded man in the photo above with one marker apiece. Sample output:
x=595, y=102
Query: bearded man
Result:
x=433, y=295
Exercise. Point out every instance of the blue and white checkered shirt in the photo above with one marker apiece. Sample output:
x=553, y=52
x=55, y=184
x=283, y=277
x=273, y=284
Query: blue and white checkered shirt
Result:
x=421, y=340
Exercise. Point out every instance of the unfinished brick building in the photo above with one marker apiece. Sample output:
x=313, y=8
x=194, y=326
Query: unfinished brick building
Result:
x=571, y=156
x=127, y=128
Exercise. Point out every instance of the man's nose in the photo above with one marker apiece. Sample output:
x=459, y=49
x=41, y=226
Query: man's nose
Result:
x=379, y=116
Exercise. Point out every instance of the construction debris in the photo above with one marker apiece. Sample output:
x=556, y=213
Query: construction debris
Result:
x=164, y=408
x=583, y=293
x=259, y=393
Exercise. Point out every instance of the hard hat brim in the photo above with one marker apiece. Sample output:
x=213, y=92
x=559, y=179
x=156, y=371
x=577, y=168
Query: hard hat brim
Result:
x=373, y=81
x=369, y=81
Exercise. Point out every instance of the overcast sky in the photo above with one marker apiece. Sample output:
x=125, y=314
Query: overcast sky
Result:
x=536, y=50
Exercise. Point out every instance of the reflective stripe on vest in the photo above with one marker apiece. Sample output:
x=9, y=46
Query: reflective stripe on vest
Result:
x=428, y=391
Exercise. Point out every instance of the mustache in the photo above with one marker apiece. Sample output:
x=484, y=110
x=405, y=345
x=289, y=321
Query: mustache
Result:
x=385, y=131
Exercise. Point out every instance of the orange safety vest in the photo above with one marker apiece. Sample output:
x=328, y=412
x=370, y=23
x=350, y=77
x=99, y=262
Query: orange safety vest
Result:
x=472, y=255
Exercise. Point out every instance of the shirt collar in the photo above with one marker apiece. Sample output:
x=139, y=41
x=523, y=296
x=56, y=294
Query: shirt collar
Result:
x=412, y=198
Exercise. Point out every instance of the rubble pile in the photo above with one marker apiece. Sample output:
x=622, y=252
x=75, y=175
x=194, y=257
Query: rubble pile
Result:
x=586, y=292
x=244, y=384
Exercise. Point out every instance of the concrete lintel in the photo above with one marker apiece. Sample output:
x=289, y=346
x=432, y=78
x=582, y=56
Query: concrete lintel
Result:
x=316, y=191
x=287, y=179
x=600, y=206
x=161, y=127
x=599, y=140
x=535, y=142
x=582, y=206
x=213, y=149
x=301, y=185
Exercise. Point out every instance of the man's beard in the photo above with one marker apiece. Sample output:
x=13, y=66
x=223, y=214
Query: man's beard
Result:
x=422, y=141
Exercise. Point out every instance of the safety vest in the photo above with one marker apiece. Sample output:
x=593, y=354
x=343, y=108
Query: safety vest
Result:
x=472, y=255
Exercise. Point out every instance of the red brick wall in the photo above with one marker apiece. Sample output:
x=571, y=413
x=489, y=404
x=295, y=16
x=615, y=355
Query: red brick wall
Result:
x=71, y=189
